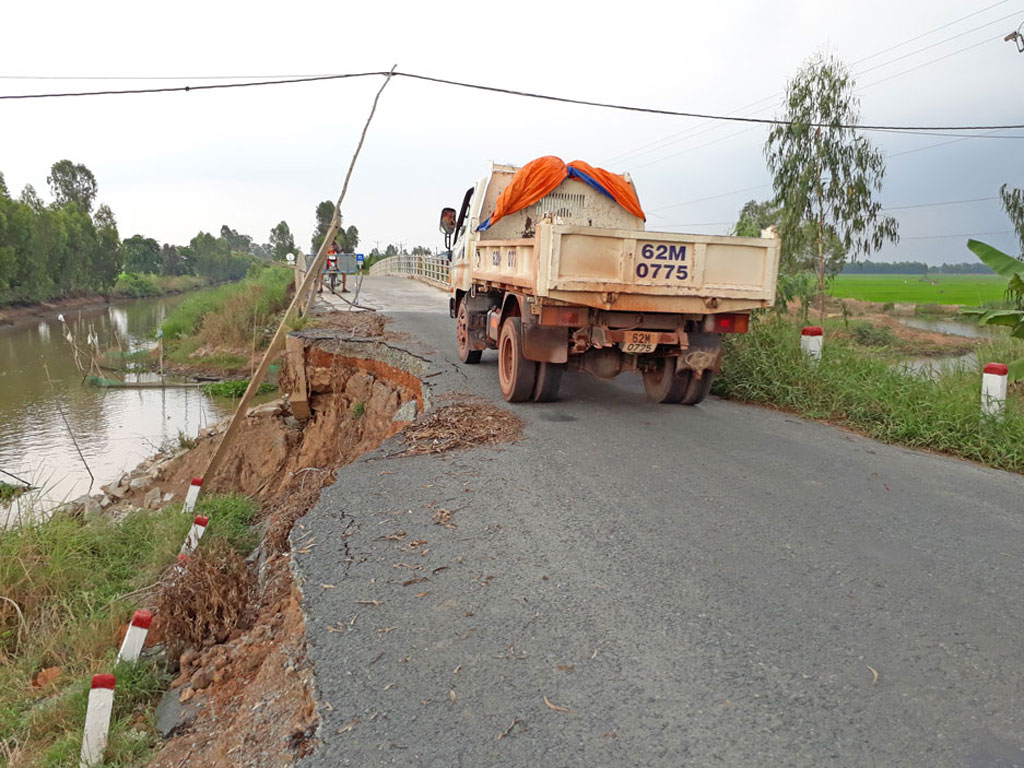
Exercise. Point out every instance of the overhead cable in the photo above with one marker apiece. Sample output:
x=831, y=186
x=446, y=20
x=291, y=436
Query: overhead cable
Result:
x=524, y=94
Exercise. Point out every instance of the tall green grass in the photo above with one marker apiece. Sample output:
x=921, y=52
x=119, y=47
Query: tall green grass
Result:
x=70, y=587
x=227, y=314
x=872, y=395
x=133, y=285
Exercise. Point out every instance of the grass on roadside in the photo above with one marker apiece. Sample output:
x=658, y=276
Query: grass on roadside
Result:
x=225, y=318
x=873, y=395
x=69, y=587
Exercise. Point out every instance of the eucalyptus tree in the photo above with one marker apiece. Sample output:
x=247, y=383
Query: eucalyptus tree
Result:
x=1013, y=204
x=72, y=183
x=825, y=173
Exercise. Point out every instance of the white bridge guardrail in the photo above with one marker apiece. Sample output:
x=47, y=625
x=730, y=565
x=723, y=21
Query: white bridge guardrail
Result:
x=429, y=269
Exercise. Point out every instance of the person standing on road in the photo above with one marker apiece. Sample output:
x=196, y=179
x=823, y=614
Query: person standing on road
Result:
x=330, y=264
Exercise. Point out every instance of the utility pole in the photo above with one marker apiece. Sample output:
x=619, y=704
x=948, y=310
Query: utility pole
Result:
x=1016, y=37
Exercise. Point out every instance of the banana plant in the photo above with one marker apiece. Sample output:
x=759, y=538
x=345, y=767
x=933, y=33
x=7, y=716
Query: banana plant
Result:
x=1013, y=270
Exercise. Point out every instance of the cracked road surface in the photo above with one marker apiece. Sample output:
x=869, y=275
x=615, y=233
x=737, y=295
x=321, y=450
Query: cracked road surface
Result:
x=710, y=586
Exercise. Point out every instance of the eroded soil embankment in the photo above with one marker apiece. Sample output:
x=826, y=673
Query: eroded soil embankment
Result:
x=248, y=700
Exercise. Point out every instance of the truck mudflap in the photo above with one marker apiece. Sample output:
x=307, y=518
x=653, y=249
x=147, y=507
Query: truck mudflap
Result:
x=704, y=353
x=545, y=343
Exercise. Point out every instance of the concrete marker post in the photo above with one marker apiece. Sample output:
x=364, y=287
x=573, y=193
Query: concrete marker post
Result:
x=993, y=389
x=97, y=720
x=811, y=341
x=135, y=637
x=195, y=533
x=193, y=495
x=181, y=564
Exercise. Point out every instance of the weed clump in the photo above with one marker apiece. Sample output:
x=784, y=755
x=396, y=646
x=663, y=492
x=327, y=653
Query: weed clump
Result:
x=235, y=388
x=208, y=601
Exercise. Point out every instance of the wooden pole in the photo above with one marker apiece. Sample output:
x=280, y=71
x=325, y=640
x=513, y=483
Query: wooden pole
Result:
x=277, y=343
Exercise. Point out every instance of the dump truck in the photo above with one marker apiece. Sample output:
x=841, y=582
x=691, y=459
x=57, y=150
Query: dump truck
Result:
x=552, y=266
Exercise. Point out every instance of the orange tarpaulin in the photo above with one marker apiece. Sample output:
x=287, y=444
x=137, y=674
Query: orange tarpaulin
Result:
x=539, y=177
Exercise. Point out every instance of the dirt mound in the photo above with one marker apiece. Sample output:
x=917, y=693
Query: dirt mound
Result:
x=463, y=425
x=367, y=325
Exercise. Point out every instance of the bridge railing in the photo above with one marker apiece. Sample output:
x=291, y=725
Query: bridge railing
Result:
x=429, y=269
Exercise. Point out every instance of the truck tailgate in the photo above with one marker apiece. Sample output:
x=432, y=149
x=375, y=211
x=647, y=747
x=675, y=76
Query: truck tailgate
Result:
x=593, y=260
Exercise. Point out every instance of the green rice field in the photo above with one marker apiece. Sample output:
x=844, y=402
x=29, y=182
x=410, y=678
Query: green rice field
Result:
x=968, y=290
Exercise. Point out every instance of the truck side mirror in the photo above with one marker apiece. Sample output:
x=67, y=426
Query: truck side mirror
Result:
x=448, y=220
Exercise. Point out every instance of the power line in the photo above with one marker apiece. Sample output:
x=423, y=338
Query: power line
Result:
x=162, y=77
x=963, y=234
x=188, y=88
x=712, y=197
x=524, y=94
x=940, y=42
x=930, y=62
x=929, y=32
x=885, y=209
x=688, y=134
x=704, y=116
x=936, y=205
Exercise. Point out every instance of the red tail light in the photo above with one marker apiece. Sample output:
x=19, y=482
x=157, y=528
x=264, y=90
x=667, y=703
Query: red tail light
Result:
x=727, y=323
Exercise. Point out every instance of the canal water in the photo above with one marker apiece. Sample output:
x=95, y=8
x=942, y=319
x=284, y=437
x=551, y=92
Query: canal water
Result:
x=114, y=428
x=933, y=366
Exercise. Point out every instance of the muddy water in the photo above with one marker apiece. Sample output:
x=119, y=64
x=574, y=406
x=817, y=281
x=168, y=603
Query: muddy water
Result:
x=934, y=366
x=114, y=428
x=955, y=327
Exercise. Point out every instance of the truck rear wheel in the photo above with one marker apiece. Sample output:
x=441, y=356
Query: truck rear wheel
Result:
x=697, y=389
x=662, y=385
x=549, y=379
x=517, y=374
x=466, y=355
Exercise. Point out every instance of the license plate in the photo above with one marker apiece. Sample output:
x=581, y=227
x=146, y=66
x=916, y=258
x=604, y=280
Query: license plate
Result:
x=639, y=342
x=662, y=263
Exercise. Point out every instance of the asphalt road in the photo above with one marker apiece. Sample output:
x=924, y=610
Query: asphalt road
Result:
x=703, y=586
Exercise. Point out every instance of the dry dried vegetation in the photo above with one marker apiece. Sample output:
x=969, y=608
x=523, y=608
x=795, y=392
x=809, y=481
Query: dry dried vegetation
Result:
x=460, y=426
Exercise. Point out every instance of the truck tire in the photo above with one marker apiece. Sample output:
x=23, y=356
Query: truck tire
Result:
x=662, y=385
x=516, y=374
x=697, y=389
x=466, y=355
x=549, y=379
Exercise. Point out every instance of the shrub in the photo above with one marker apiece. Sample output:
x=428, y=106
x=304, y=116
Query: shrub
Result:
x=886, y=401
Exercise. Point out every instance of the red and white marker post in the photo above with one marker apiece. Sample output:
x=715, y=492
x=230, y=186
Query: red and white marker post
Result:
x=195, y=533
x=193, y=495
x=811, y=340
x=97, y=720
x=993, y=389
x=135, y=637
x=181, y=565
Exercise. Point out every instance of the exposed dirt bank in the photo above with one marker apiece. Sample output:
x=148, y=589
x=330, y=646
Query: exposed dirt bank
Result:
x=244, y=695
x=15, y=315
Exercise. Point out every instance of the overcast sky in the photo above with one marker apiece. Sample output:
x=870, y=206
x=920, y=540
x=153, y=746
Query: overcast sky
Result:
x=170, y=165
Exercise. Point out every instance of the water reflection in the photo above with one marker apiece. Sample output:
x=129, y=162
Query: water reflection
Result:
x=115, y=428
x=953, y=327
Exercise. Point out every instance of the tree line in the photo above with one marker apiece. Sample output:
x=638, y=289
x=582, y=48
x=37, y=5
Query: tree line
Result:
x=49, y=251
x=868, y=267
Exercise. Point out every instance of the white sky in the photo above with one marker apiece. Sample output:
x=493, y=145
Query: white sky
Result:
x=173, y=164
